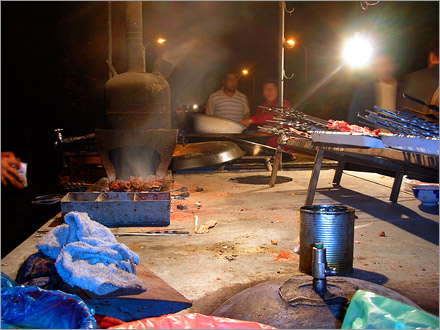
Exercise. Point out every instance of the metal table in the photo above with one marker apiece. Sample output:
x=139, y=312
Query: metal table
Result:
x=387, y=161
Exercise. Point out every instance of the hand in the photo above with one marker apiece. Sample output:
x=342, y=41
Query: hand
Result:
x=9, y=154
x=247, y=122
x=10, y=174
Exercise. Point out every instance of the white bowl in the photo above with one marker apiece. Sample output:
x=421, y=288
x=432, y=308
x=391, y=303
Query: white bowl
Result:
x=214, y=124
x=426, y=193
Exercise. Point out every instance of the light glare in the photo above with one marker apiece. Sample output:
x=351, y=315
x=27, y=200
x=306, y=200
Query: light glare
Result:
x=161, y=40
x=357, y=51
x=290, y=43
x=245, y=72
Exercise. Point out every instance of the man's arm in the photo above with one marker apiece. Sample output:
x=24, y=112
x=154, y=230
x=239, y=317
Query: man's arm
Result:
x=247, y=112
x=210, y=107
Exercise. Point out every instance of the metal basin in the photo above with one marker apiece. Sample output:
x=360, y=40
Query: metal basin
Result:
x=214, y=124
x=201, y=154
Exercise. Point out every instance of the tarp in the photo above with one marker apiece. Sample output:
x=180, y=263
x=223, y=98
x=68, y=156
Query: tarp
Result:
x=191, y=321
x=368, y=310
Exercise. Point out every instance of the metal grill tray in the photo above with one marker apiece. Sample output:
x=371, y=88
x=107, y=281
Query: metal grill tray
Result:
x=121, y=209
x=346, y=138
x=417, y=144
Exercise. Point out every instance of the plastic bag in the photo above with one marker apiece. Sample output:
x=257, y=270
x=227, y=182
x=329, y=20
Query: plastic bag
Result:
x=31, y=307
x=191, y=321
x=7, y=282
x=368, y=310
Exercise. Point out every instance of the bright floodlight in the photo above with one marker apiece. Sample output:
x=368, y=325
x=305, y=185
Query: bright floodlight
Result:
x=161, y=40
x=357, y=51
x=245, y=72
x=195, y=106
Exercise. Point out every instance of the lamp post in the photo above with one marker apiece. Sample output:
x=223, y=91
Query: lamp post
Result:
x=245, y=72
x=160, y=41
x=290, y=43
x=281, y=55
x=306, y=65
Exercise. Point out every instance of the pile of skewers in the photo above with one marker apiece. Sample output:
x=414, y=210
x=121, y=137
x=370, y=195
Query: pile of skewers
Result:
x=401, y=123
x=292, y=123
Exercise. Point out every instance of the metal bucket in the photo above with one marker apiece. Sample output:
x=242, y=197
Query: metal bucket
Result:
x=334, y=226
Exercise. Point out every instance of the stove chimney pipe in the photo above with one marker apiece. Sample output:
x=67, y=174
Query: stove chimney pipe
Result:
x=135, y=45
x=136, y=100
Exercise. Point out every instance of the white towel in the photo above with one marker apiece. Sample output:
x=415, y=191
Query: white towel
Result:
x=99, y=269
x=88, y=256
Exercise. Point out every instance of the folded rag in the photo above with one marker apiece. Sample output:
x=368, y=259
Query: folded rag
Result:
x=88, y=256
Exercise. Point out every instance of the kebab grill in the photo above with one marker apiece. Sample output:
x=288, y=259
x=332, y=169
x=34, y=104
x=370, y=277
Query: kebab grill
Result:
x=137, y=146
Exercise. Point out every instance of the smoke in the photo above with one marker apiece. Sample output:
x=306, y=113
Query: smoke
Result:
x=137, y=161
x=199, y=39
x=198, y=62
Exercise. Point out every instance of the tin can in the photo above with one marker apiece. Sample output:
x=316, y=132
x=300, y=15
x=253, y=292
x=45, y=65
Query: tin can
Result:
x=334, y=226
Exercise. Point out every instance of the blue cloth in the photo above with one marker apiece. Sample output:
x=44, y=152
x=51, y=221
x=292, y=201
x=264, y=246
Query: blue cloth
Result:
x=88, y=256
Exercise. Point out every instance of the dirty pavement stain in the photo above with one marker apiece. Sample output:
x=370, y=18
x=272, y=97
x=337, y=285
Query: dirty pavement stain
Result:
x=284, y=256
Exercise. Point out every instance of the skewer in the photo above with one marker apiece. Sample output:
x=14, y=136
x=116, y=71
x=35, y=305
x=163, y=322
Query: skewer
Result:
x=196, y=223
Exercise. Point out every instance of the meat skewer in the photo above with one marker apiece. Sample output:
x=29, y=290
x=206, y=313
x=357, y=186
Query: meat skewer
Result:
x=136, y=184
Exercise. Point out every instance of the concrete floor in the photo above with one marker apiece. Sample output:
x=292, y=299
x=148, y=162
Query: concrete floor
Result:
x=258, y=228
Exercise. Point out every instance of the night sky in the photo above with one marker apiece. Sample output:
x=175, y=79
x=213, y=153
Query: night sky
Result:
x=54, y=70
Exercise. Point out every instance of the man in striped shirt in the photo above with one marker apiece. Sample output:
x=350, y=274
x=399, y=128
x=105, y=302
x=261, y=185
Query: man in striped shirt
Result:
x=228, y=102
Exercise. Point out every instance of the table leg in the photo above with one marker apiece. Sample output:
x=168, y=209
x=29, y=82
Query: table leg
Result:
x=276, y=163
x=315, y=176
x=268, y=164
x=396, y=185
x=338, y=172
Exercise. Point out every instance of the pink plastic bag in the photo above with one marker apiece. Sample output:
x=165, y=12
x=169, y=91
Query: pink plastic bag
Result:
x=191, y=321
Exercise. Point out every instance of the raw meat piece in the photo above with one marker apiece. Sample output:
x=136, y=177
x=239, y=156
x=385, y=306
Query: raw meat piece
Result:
x=343, y=126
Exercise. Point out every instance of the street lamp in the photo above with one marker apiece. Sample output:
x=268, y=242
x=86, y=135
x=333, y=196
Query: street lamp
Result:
x=159, y=41
x=290, y=43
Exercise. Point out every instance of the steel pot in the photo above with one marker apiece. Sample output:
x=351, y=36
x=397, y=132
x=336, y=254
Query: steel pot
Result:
x=214, y=124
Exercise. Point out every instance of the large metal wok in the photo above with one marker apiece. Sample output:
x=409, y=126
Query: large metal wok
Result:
x=201, y=154
x=214, y=124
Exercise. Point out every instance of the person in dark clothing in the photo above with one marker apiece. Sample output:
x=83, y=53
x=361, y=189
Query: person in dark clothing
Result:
x=20, y=217
x=422, y=84
x=381, y=91
x=270, y=95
